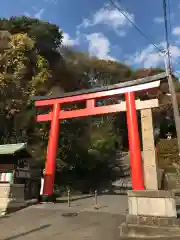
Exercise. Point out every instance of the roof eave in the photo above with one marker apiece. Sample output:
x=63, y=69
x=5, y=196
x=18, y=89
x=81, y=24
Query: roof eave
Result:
x=148, y=79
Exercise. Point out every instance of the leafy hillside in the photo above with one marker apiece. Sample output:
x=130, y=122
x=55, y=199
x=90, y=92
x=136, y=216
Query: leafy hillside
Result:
x=167, y=153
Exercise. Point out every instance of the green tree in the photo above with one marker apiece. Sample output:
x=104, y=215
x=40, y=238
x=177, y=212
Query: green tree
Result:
x=48, y=36
x=23, y=72
x=93, y=72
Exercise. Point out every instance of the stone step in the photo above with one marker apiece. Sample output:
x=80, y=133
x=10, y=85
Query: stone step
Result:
x=144, y=231
x=122, y=183
x=124, y=168
x=122, y=162
x=153, y=221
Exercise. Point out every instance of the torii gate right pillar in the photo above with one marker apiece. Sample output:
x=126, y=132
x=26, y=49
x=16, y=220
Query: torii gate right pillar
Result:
x=134, y=143
x=150, y=211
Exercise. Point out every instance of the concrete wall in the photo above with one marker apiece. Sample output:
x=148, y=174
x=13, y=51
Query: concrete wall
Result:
x=152, y=203
x=11, y=196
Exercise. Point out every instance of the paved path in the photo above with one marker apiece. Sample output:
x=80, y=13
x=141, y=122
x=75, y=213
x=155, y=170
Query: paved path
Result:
x=45, y=224
x=115, y=204
x=45, y=221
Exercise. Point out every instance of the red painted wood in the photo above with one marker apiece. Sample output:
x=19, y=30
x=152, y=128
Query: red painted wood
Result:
x=51, y=152
x=90, y=103
x=134, y=143
x=96, y=95
x=77, y=98
x=90, y=111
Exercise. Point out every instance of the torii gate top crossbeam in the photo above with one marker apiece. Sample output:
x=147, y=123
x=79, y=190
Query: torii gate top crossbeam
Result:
x=91, y=96
x=106, y=91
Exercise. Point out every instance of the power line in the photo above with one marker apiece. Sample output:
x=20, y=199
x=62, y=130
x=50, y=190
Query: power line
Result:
x=159, y=50
x=135, y=26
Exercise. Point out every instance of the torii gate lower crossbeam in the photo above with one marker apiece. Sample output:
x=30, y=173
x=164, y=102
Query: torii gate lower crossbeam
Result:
x=90, y=97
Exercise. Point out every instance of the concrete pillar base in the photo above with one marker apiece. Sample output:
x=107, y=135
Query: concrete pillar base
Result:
x=151, y=213
x=48, y=199
x=11, y=197
x=152, y=203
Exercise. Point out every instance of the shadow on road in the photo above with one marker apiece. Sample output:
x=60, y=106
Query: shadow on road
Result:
x=115, y=193
x=178, y=210
x=27, y=233
x=73, y=199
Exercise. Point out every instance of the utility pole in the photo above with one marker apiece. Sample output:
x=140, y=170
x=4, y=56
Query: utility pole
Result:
x=169, y=75
x=174, y=103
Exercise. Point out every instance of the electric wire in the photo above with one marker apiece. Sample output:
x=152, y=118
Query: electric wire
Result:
x=135, y=25
x=158, y=49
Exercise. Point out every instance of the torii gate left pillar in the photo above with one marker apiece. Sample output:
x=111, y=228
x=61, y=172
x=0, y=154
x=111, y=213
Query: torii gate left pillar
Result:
x=50, y=167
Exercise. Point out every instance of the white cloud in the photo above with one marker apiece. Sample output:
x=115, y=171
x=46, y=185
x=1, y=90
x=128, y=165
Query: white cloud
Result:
x=158, y=19
x=149, y=57
x=175, y=51
x=68, y=41
x=99, y=46
x=110, y=17
x=176, y=31
x=39, y=13
x=27, y=14
x=51, y=1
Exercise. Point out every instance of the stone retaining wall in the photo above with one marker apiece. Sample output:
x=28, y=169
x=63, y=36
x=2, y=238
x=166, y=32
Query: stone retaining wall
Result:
x=153, y=221
x=11, y=197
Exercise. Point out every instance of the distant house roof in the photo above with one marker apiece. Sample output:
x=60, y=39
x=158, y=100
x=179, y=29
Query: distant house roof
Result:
x=10, y=149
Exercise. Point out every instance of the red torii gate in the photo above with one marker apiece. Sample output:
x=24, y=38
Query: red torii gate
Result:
x=90, y=97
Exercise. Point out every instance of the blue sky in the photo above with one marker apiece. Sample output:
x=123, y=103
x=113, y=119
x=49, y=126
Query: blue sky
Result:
x=98, y=28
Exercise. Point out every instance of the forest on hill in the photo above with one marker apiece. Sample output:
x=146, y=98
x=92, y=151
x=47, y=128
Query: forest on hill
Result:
x=33, y=61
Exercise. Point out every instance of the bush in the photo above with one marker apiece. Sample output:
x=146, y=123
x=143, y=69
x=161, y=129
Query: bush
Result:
x=167, y=153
